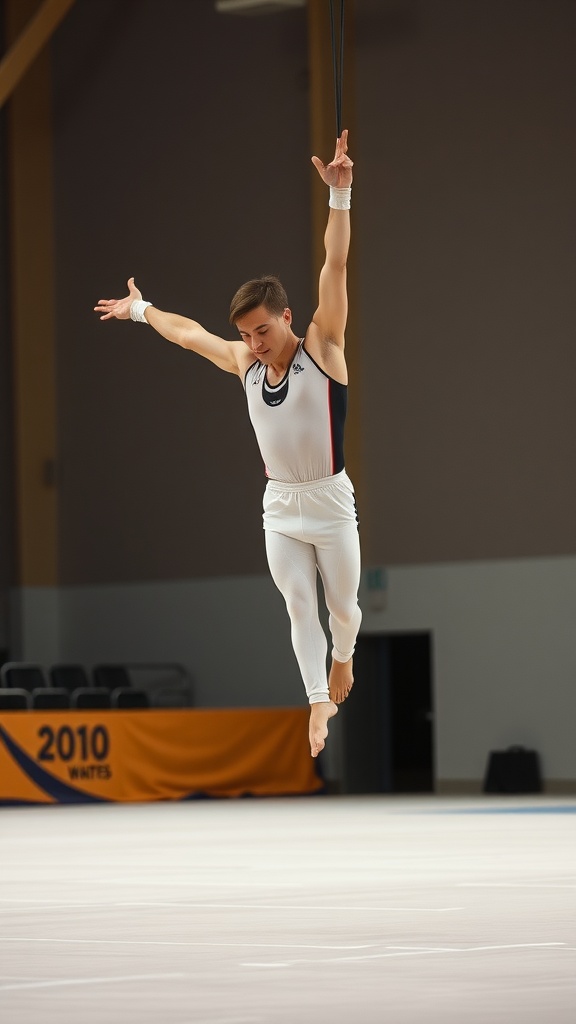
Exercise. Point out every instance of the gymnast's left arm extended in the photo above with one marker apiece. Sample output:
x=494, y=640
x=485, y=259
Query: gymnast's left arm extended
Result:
x=326, y=334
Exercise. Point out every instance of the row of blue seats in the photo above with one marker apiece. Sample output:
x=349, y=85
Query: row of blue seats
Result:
x=70, y=677
x=47, y=698
x=165, y=684
x=25, y=686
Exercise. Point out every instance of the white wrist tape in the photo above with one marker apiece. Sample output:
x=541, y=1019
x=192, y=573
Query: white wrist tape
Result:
x=137, y=311
x=340, y=198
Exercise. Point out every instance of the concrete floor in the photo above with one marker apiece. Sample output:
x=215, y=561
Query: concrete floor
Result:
x=318, y=909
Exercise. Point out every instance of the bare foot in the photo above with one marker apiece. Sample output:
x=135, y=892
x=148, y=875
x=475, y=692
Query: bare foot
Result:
x=341, y=680
x=319, y=715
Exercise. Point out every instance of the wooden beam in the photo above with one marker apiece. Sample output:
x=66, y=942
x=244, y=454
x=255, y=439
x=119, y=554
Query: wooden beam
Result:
x=323, y=139
x=30, y=42
x=31, y=233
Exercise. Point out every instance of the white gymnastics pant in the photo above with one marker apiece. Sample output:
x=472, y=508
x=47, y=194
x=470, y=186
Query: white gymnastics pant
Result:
x=312, y=528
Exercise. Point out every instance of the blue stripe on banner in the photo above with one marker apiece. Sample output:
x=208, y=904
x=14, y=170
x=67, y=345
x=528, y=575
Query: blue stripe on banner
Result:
x=50, y=785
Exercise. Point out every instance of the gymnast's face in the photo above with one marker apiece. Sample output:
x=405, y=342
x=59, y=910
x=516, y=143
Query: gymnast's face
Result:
x=264, y=333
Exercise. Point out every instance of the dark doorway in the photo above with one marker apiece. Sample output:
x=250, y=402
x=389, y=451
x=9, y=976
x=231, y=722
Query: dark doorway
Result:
x=387, y=721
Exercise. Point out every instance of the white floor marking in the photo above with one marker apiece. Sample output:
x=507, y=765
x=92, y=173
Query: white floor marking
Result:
x=479, y=949
x=226, y=1020
x=34, y=908
x=55, y=903
x=515, y=885
x=337, y=959
x=99, y=904
x=292, y=906
x=164, y=942
x=87, y=981
x=229, y=1020
x=396, y=951
x=194, y=883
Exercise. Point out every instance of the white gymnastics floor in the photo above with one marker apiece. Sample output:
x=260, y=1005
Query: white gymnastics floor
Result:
x=316, y=909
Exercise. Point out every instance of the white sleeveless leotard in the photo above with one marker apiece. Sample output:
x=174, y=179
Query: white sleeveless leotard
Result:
x=309, y=519
x=299, y=423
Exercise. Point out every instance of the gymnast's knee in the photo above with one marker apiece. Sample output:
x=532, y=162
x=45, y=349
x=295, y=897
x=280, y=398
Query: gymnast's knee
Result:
x=347, y=618
x=300, y=606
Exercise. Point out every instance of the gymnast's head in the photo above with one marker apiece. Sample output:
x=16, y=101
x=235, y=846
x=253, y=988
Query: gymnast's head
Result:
x=265, y=291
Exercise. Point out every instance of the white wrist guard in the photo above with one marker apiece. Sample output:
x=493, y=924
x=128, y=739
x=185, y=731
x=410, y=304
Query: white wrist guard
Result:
x=137, y=311
x=340, y=198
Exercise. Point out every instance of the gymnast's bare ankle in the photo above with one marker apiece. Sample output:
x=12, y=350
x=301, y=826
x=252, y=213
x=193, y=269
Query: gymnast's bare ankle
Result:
x=319, y=715
x=341, y=680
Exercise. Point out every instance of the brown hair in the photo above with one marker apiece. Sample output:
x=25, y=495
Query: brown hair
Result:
x=262, y=291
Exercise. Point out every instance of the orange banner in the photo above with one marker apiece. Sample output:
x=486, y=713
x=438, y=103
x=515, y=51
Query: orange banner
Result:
x=112, y=756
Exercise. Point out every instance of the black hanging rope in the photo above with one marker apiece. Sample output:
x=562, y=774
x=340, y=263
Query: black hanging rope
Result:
x=338, y=61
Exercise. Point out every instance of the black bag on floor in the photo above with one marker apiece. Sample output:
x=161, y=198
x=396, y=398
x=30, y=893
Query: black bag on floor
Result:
x=515, y=770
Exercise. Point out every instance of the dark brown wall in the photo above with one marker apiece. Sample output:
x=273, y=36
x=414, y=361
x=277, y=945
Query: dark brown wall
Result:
x=465, y=210
x=182, y=157
x=6, y=430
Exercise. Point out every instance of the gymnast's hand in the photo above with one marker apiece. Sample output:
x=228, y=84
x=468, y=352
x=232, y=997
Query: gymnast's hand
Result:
x=338, y=173
x=119, y=308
